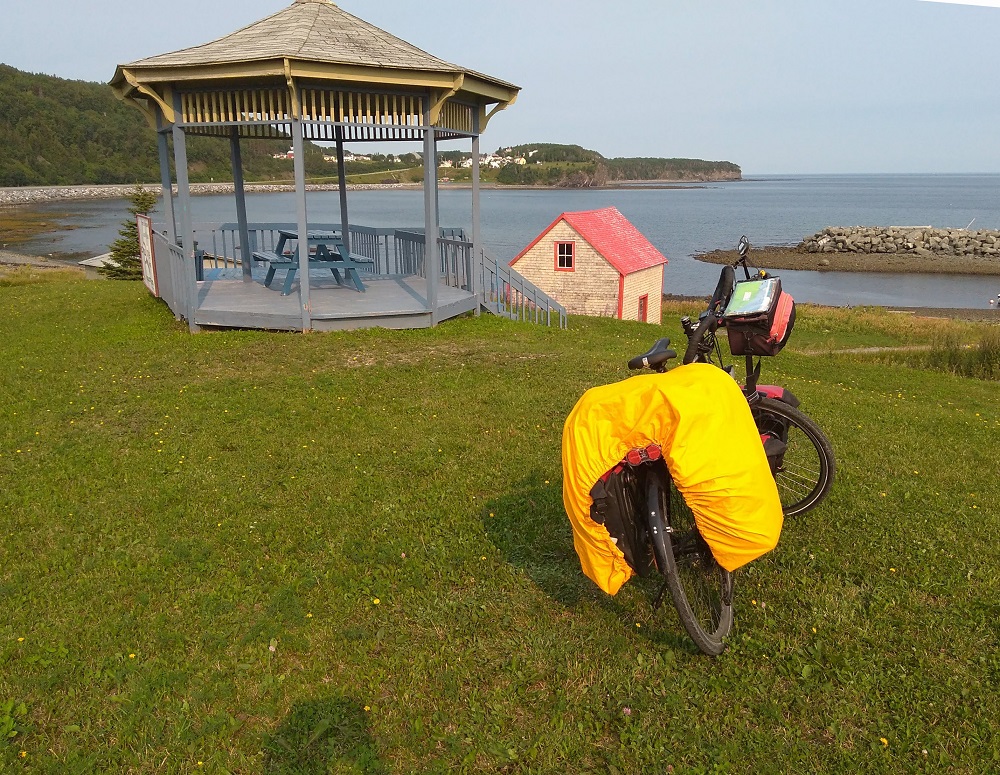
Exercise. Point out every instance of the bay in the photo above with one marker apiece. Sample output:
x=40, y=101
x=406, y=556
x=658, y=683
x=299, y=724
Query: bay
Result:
x=680, y=222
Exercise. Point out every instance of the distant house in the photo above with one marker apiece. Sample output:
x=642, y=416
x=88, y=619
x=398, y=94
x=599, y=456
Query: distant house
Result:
x=596, y=262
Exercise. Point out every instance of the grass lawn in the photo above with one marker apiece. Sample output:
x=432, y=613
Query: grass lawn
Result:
x=346, y=553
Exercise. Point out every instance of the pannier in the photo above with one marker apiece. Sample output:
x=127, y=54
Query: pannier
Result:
x=759, y=317
x=686, y=413
x=613, y=495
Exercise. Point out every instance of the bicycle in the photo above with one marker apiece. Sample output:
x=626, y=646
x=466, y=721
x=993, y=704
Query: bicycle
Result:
x=639, y=502
x=800, y=454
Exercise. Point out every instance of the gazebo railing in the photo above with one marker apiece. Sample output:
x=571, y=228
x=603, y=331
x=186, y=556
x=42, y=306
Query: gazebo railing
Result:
x=455, y=252
x=171, y=280
x=392, y=251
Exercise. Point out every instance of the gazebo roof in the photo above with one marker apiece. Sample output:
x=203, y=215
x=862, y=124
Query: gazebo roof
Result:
x=312, y=39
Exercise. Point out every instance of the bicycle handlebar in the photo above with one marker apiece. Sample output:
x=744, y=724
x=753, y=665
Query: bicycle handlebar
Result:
x=723, y=290
x=695, y=351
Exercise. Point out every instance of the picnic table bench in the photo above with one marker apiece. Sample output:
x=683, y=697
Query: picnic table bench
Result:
x=328, y=252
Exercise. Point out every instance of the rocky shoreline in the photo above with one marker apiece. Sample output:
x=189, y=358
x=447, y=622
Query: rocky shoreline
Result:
x=30, y=195
x=41, y=194
x=893, y=249
x=790, y=257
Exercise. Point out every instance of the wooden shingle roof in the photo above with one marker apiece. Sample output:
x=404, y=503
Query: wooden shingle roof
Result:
x=613, y=236
x=312, y=31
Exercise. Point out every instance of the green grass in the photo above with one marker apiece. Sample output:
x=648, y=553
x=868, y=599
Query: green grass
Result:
x=32, y=275
x=253, y=552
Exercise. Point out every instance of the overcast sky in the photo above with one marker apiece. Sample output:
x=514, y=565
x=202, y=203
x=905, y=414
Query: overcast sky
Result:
x=776, y=86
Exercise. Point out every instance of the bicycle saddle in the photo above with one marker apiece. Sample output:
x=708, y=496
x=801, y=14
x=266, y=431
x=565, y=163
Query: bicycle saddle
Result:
x=654, y=357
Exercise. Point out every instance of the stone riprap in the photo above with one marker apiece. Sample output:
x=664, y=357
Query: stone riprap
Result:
x=915, y=240
x=40, y=194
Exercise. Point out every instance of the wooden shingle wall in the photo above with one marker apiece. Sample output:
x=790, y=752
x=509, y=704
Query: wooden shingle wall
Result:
x=590, y=289
x=646, y=282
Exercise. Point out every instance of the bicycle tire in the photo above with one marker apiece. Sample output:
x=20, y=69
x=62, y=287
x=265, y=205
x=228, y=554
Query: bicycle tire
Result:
x=702, y=590
x=805, y=470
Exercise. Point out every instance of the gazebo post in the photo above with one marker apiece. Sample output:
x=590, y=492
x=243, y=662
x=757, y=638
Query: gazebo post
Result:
x=165, y=182
x=345, y=234
x=299, y=162
x=431, y=228
x=184, y=200
x=246, y=249
x=474, y=279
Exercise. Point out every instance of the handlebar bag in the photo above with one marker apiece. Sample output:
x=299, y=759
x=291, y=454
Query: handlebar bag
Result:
x=752, y=300
x=759, y=317
x=691, y=412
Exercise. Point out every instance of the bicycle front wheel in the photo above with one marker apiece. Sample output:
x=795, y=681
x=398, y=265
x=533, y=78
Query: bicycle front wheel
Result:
x=702, y=589
x=804, y=466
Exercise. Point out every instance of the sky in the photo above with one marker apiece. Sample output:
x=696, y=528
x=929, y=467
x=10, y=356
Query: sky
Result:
x=776, y=86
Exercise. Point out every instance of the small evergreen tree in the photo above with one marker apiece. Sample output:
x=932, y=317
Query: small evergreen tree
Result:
x=125, y=250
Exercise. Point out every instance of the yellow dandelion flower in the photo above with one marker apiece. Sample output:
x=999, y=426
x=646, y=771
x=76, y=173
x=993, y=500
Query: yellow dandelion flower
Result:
x=131, y=656
x=376, y=601
x=884, y=742
x=367, y=708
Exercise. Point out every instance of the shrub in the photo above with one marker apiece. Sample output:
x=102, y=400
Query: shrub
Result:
x=125, y=250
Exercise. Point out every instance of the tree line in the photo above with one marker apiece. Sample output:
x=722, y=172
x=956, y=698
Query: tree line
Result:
x=55, y=131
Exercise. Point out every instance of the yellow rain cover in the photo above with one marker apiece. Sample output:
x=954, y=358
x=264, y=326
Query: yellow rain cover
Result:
x=700, y=419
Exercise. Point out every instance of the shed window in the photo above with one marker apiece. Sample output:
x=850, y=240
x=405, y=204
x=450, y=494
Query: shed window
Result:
x=565, y=256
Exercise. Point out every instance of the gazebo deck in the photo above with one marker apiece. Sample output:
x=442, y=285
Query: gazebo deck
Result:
x=225, y=300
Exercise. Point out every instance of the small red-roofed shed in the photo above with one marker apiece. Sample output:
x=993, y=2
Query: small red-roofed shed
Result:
x=596, y=262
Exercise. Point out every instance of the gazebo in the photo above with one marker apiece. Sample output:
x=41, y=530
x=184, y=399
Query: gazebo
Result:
x=314, y=72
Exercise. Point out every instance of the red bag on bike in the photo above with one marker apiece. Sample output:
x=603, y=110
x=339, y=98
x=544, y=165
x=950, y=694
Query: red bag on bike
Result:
x=699, y=418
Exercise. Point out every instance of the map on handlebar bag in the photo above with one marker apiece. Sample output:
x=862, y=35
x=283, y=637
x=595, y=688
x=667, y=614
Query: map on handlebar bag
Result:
x=752, y=297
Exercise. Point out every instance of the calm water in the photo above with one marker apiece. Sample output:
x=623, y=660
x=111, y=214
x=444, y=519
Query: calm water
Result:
x=770, y=210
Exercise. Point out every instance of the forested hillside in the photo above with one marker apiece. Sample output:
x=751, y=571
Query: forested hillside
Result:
x=572, y=165
x=59, y=132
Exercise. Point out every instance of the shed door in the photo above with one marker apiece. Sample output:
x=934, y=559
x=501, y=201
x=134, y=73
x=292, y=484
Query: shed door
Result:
x=643, y=304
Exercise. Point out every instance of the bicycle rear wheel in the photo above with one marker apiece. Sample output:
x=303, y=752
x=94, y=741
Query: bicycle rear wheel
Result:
x=702, y=589
x=805, y=467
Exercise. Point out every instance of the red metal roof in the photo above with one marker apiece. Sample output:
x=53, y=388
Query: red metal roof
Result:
x=612, y=235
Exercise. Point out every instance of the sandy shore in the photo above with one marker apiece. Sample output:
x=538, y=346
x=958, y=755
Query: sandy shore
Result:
x=896, y=263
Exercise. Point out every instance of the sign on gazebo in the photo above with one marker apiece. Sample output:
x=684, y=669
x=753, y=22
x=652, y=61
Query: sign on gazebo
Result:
x=145, y=226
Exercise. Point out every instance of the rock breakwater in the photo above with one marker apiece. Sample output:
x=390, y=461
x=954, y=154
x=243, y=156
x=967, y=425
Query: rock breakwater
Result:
x=913, y=240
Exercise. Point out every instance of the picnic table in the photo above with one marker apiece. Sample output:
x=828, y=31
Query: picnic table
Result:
x=325, y=249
